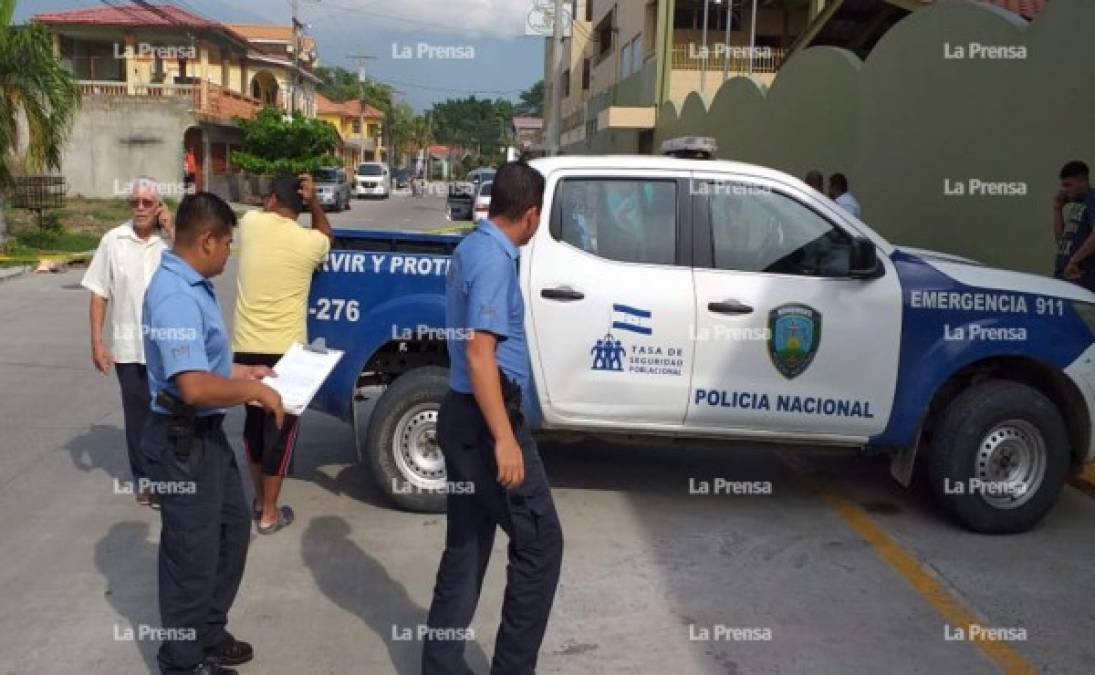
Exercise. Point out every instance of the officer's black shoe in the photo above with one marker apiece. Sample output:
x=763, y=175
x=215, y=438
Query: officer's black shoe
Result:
x=230, y=652
x=205, y=668
x=208, y=668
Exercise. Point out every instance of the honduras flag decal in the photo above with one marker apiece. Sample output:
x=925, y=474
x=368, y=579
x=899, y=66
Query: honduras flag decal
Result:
x=631, y=319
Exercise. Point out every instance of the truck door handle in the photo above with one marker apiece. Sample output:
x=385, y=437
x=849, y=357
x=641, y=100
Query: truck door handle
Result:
x=729, y=307
x=562, y=293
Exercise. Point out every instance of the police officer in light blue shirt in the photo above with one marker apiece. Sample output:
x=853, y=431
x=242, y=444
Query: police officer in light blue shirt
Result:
x=205, y=521
x=489, y=453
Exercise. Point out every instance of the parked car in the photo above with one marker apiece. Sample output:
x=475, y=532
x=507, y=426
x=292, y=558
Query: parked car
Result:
x=332, y=188
x=723, y=301
x=373, y=179
x=462, y=194
x=401, y=179
x=482, y=201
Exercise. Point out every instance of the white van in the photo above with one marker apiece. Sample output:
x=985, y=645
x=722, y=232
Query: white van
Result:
x=373, y=179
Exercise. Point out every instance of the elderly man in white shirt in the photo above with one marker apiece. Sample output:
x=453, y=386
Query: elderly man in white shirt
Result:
x=117, y=278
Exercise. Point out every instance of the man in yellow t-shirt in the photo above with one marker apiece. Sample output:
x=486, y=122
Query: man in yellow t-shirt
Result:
x=277, y=259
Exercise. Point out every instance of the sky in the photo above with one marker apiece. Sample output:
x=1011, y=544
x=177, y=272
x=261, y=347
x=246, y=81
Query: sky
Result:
x=455, y=47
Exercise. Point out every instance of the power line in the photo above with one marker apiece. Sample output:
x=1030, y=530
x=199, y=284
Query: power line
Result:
x=391, y=17
x=451, y=90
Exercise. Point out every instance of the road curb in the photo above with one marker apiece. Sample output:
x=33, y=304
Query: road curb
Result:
x=9, y=273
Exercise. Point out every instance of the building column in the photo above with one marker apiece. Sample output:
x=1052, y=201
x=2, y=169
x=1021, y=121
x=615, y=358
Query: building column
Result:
x=130, y=62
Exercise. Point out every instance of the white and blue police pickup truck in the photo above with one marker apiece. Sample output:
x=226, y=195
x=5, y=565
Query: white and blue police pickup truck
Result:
x=673, y=298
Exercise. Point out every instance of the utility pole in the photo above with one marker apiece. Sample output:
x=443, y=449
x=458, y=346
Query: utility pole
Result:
x=554, y=122
x=361, y=59
x=753, y=38
x=296, y=61
x=703, y=53
x=726, y=47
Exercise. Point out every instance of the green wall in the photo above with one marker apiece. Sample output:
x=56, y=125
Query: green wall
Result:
x=908, y=119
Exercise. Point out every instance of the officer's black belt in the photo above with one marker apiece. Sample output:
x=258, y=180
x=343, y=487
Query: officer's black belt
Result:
x=207, y=423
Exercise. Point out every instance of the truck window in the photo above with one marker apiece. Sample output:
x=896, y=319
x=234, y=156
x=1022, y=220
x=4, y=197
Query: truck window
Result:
x=626, y=220
x=756, y=229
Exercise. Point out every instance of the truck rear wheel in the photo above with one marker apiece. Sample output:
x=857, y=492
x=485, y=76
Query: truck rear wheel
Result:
x=401, y=442
x=999, y=458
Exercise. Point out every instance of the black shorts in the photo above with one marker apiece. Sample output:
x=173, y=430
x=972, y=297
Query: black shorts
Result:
x=264, y=443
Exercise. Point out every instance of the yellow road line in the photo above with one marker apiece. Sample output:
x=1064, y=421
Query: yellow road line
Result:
x=1085, y=480
x=450, y=229
x=925, y=584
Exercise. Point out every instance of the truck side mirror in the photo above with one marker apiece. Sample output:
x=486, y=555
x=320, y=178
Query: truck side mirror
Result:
x=863, y=260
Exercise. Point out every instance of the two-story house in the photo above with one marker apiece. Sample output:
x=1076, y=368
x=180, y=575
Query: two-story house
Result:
x=624, y=58
x=161, y=90
x=359, y=127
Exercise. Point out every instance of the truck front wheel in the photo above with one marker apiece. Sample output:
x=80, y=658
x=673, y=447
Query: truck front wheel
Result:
x=401, y=443
x=999, y=457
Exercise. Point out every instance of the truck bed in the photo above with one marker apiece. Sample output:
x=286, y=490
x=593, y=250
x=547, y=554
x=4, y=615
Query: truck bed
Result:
x=375, y=287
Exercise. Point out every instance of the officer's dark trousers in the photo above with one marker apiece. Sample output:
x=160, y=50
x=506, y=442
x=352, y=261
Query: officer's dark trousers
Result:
x=535, y=547
x=203, y=541
x=133, y=380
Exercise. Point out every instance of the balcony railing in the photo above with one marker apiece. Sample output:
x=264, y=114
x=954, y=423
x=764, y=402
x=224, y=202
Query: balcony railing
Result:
x=764, y=59
x=207, y=98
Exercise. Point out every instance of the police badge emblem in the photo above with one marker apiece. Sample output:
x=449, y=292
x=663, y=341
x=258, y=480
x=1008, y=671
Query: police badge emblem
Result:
x=794, y=337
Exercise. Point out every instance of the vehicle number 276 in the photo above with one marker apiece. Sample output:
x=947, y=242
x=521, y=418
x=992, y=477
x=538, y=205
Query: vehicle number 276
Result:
x=335, y=309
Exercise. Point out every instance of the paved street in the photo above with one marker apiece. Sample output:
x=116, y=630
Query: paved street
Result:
x=837, y=570
x=399, y=212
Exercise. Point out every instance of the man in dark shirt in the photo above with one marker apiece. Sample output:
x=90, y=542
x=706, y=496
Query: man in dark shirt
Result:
x=1073, y=218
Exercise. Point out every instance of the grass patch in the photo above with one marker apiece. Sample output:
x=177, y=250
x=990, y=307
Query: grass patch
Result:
x=28, y=243
x=74, y=228
x=79, y=214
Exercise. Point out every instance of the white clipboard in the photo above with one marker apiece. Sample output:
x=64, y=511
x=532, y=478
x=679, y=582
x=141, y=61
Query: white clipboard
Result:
x=300, y=374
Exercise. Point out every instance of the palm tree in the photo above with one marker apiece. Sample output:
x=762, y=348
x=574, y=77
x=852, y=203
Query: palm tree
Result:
x=35, y=90
x=421, y=132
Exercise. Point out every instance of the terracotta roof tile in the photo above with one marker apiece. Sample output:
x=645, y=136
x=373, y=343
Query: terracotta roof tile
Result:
x=325, y=105
x=130, y=15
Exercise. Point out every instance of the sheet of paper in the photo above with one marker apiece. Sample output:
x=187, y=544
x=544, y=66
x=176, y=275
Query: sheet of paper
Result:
x=300, y=373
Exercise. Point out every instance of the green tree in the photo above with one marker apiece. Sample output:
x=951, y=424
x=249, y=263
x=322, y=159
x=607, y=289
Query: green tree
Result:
x=479, y=125
x=274, y=143
x=33, y=86
x=337, y=83
x=532, y=101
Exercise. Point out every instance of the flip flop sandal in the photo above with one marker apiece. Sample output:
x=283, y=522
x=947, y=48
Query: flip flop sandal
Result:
x=285, y=519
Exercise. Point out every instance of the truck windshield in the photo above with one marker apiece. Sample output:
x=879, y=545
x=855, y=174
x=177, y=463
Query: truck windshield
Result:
x=327, y=175
x=369, y=170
